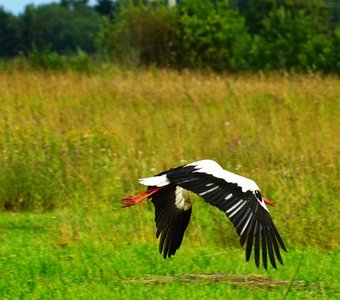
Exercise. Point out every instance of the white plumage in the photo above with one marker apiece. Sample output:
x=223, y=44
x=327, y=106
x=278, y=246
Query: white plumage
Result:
x=159, y=181
x=211, y=167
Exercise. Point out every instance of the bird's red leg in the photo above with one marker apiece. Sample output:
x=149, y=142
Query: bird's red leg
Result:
x=133, y=200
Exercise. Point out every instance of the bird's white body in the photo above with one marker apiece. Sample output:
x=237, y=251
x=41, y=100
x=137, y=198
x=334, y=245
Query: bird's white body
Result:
x=182, y=201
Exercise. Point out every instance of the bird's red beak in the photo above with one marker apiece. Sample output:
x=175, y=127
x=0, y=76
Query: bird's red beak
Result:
x=268, y=202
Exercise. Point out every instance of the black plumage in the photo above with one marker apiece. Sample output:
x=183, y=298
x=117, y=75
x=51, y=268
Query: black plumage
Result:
x=238, y=197
x=259, y=224
x=171, y=222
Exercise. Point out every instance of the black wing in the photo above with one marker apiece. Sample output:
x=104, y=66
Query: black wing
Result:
x=252, y=221
x=171, y=222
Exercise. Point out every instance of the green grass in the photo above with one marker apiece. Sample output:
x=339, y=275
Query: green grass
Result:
x=87, y=256
x=73, y=145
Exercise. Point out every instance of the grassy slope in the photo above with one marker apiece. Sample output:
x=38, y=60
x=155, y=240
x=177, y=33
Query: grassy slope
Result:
x=77, y=144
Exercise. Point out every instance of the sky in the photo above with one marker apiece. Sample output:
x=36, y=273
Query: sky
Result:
x=18, y=6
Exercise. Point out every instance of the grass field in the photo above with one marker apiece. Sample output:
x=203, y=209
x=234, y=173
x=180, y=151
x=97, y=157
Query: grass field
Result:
x=72, y=145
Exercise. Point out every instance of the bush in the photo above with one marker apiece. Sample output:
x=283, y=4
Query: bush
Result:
x=142, y=35
x=212, y=36
x=29, y=186
x=336, y=51
x=46, y=59
x=291, y=41
x=194, y=35
x=51, y=60
x=278, y=35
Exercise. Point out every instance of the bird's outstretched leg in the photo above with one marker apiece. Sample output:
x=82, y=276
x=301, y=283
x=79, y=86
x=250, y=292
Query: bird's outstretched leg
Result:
x=133, y=200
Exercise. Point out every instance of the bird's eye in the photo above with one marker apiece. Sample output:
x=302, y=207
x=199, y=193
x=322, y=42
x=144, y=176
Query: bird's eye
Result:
x=258, y=195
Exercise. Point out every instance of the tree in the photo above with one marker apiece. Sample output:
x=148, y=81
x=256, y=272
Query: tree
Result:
x=108, y=8
x=104, y=7
x=72, y=4
x=142, y=35
x=211, y=35
x=254, y=12
x=292, y=40
x=61, y=28
x=10, y=40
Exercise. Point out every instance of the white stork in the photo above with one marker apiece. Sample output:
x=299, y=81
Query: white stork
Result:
x=238, y=197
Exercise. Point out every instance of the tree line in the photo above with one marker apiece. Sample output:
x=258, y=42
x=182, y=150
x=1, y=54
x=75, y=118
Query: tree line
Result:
x=221, y=35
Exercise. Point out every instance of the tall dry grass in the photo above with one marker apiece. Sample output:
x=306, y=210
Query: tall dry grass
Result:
x=80, y=141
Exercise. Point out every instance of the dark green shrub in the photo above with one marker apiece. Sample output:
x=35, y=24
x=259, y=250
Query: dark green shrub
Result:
x=291, y=40
x=51, y=60
x=46, y=59
x=193, y=35
x=25, y=186
x=142, y=35
x=211, y=36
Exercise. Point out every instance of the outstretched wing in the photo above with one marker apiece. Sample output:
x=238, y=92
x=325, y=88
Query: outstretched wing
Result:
x=172, y=216
x=239, y=198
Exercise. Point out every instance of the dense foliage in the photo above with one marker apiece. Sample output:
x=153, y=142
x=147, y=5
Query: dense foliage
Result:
x=221, y=35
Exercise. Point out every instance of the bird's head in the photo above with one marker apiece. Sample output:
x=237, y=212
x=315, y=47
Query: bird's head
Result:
x=263, y=199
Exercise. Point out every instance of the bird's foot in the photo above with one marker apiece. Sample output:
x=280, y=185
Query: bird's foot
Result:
x=135, y=199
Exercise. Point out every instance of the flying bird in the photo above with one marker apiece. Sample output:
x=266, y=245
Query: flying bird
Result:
x=238, y=197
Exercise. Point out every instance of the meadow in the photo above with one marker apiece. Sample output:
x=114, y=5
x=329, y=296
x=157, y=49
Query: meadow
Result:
x=73, y=144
